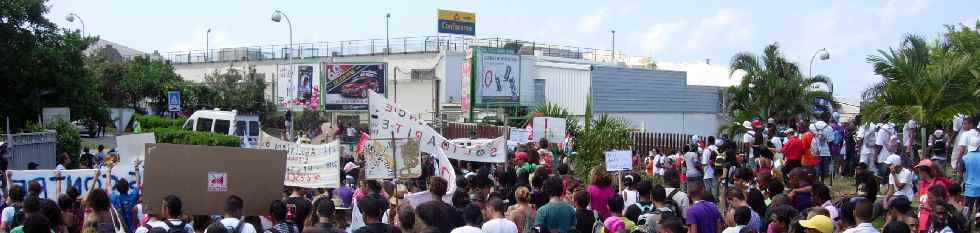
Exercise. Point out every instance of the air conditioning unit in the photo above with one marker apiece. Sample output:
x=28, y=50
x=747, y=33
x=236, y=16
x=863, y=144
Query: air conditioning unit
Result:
x=423, y=74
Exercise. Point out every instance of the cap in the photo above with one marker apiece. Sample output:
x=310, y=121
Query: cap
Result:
x=938, y=133
x=790, y=131
x=756, y=123
x=613, y=224
x=820, y=223
x=747, y=125
x=924, y=163
x=893, y=160
x=974, y=143
x=350, y=166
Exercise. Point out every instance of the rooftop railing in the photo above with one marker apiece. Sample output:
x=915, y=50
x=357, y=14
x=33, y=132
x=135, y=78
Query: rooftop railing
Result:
x=400, y=45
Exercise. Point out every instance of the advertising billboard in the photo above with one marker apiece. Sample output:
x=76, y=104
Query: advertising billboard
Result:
x=347, y=85
x=298, y=85
x=497, y=78
x=466, y=76
x=457, y=22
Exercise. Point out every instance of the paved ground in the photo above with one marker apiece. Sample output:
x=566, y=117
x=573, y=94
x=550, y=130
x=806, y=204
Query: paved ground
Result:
x=109, y=140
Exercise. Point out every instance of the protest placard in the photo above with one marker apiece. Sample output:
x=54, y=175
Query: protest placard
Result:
x=619, y=160
x=81, y=179
x=550, y=128
x=308, y=166
x=205, y=176
x=519, y=135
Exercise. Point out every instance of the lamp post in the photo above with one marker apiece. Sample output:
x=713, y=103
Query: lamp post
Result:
x=387, y=39
x=207, y=45
x=824, y=55
x=613, y=46
x=277, y=17
x=71, y=18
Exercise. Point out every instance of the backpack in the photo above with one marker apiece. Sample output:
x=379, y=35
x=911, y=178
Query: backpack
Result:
x=838, y=137
x=115, y=224
x=19, y=216
x=673, y=205
x=870, y=135
x=652, y=219
x=182, y=228
x=720, y=162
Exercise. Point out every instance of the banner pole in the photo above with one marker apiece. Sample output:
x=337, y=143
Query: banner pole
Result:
x=394, y=160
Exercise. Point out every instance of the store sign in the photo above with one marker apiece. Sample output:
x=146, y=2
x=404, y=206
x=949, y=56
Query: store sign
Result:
x=347, y=85
x=457, y=22
x=498, y=78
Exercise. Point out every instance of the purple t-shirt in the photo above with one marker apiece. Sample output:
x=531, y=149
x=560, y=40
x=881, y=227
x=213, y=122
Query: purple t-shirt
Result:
x=705, y=215
x=346, y=194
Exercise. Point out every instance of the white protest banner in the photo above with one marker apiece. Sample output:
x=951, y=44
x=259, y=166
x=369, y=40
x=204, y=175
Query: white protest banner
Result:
x=393, y=118
x=619, y=160
x=416, y=199
x=388, y=119
x=132, y=148
x=81, y=179
x=519, y=135
x=475, y=149
x=550, y=128
x=308, y=166
x=378, y=159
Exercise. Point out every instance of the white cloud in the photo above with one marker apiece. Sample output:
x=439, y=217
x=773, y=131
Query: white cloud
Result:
x=592, y=22
x=200, y=39
x=725, y=28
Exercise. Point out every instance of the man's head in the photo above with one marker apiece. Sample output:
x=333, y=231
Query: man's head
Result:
x=494, y=207
x=615, y=204
x=658, y=194
x=34, y=188
x=554, y=187
x=234, y=205
x=743, y=215
x=325, y=208
x=581, y=199
x=899, y=206
x=821, y=193
x=781, y=217
x=437, y=186
x=863, y=211
x=672, y=178
x=969, y=122
x=278, y=210
x=172, y=207
x=894, y=163
x=695, y=190
x=472, y=215
x=37, y=223
x=371, y=208
x=15, y=194
x=896, y=227
x=643, y=188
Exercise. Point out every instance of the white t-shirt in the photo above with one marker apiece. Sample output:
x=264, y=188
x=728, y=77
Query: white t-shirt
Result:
x=59, y=167
x=963, y=139
x=470, y=229
x=749, y=137
x=822, y=148
x=705, y=157
x=883, y=139
x=231, y=223
x=734, y=229
x=905, y=177
x=7, y=215
x=499, y=225
x=630, y=197
x=656, y=161
x=691, y=162
x=681, y=198
x=157, y=223
x=777, y=143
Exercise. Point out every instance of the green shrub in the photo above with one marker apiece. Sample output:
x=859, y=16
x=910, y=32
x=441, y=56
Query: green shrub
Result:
x=150, y=122
x=180, y=136
x=68, y=138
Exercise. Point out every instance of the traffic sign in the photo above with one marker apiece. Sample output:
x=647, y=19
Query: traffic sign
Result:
x=173, y=101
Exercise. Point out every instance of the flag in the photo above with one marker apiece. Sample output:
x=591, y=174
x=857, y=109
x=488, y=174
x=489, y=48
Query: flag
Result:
x=360, y=144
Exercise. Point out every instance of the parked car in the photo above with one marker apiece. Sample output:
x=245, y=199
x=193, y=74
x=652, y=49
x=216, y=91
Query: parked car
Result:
x=86, y=128
x=226, y=122
x=359, y=88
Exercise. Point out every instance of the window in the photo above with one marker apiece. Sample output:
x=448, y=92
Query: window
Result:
x=204, y=124
x=189, y=125
x=222, y=126
x=253, y=128
x=240, y=128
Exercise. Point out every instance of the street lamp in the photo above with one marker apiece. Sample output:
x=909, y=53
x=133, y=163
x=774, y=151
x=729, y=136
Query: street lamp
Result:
x=824, y=55
x=71, y=18
x=614, y=46
x=207, y=44
x=387, y=39
x=277, y=17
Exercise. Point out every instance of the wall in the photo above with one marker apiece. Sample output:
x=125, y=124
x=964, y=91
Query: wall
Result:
x=617, y=89
x=566, y=85
x=674, y=122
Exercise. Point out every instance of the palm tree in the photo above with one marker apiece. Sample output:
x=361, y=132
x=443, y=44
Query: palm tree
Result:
x=928, y=83
x=772, y=87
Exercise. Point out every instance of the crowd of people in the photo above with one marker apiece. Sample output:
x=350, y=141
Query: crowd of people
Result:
x=773, y=178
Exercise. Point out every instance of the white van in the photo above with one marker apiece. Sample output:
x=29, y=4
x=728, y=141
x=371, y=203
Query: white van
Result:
x=226, y=122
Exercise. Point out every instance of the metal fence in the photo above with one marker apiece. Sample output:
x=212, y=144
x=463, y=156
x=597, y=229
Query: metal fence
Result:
x=400, y=45
x=464, y=130
x=643, y=142
x=37, y=147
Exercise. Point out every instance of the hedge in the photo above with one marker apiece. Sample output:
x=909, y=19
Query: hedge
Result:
x=150, y=122
x=180, y=136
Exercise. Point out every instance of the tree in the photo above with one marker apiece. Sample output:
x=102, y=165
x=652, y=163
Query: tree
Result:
x=149, y=79
x=930, y=83
x=772, y=87
x=238, y=89
x=40, y=65
x=596, y=136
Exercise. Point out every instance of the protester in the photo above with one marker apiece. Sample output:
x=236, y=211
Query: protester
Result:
x=674, y=192
x=584, y=217
x=643, y=206
x=616, y=222
x=522, y=214
x=863, y=215
x=740, y=217
x=970, y=172
x=967, y=132
x=692, y=161
x=708, y=160
x=600, y=190
x=800, y=186
x=866, y=182
x=884, y=145
x=896, y=227
x=899, y=178
x=125, y=200
x=703, y=216
x=299, y=206
x=823, y=200
x=473, y=218
x=943, y=216
x=14, y=202
x=325, y=214
x=792, y=151
x=232, y=220
x=822, y=133
x=494, y=214
x=735, y=199
x=629, y=193
x=101, y=217
x=171, y=212
x=819, y=223
x=557, y=216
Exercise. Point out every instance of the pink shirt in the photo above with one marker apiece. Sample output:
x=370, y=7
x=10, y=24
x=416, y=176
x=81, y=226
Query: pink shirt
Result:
x=599, y=199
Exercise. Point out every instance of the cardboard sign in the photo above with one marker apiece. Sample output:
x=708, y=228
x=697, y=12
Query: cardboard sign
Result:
x=549, y=128
x=619, y=160
x=519, y=135
x=81, y=179
x=193, y=174
x=379, y=159
x=308, y=166
x=388, y=119
x=132, y=148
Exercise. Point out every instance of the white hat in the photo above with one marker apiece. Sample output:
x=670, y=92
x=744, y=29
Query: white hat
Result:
x=789, y=131
x=938, y=133
x=747, y=124
x=893, y=160
x=974, y=143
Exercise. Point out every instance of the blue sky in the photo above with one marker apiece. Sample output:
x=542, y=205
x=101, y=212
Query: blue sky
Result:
x=669, y=31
